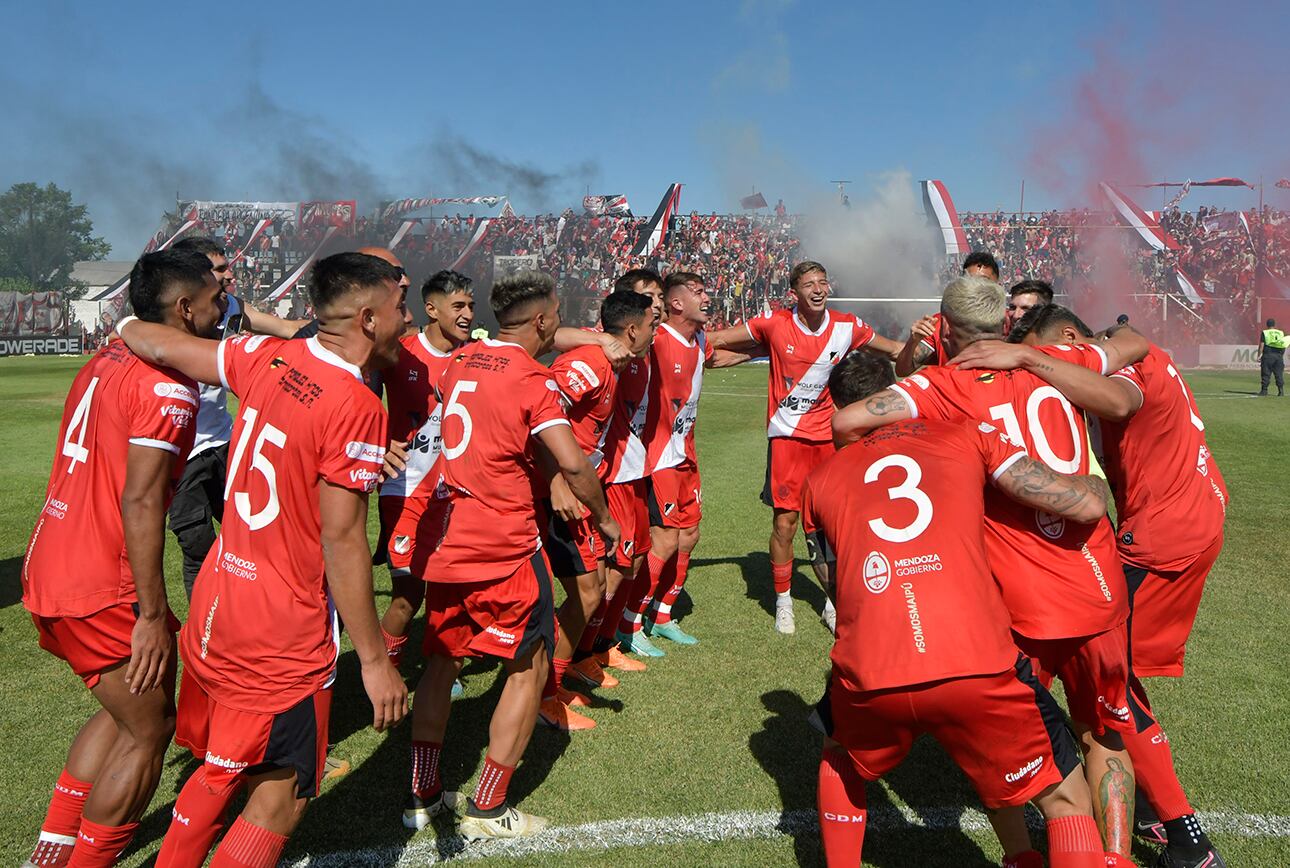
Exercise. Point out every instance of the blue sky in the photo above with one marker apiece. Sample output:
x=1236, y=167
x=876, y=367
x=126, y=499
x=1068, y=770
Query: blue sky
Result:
x=127, y=103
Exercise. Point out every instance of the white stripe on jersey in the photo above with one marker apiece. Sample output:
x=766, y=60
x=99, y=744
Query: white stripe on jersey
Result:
x=806, y=391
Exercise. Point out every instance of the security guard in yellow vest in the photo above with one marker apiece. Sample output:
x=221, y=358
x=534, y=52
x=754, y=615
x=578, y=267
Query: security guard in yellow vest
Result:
x=1272, y=358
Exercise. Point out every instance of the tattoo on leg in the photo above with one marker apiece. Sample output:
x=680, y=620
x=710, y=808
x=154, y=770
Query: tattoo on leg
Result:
x=1114, y=806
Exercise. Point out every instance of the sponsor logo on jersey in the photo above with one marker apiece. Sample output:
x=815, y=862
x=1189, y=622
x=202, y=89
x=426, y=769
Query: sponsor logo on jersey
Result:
x=985, y=377
x=369, y=452
x=180, y=417
x=1029, y=770
x=915, y=620
x=676, y=369
x=918, y=380
x=368, y=478
x=843, y=818
x=1051, y=526
x=174, y=390
x=877, y=572
x=56, y=508
x=412, y=375
x=277, y=362
x=788, y=348
x=1122, y=712
x=206, y=630
x=587, y=374
x=402, y=544
x=240, y=567
x=224, y=762
x=550, y=384
x=503, y=636
x=986, y=428
x=252, y=343
x=929, y=563
x=1097, y=571
x=178, y=817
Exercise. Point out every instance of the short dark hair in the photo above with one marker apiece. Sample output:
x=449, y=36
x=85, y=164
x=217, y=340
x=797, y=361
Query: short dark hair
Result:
x=156, y=274
x=858, y=376
x=1271, y=322
x=201, y=244
x=1043, y=317
x=342, y=273
x=803, y=268
x=680, y=278
x=512, y=296
x=1122, y=319
x=1041, y=288
x=982, y=257
x=620, y=309
x=445, y=282
x=627, y=280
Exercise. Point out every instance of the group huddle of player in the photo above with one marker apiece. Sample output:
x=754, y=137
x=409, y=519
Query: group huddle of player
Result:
x=964, y=546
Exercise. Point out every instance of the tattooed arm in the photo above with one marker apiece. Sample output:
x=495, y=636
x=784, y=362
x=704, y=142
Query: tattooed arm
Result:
x=856, y=420
x=1080, y=498
x=1107, y=397
x=914, y=354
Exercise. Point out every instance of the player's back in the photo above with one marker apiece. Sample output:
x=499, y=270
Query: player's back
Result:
x=1161, y=470
x=589, y=383
x=903, y=510
x=262, y=633
x=624, y=450
x=76, y=561
x=1059, y=578
x=414, y=413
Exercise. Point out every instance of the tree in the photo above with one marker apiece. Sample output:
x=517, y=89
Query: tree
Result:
x=43, y=234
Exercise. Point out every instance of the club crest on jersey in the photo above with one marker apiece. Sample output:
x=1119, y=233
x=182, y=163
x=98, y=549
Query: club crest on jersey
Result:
x=669, y=508
x=402, y=544
x=985, y=377
x=627, y=547
x=877, y=572
x=788, y=384
x=1051, y=526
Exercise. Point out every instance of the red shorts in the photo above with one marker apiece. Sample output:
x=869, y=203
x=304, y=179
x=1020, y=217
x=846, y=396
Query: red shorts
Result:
x=95, y=643
x=627, y=504
x=500, y=618
x=234, y=742
x=572, y=548
x=788, y=461
x=412, y=527
x=1005, y=731
x=1164, y=610
x=676, y=497
x=1094, y=671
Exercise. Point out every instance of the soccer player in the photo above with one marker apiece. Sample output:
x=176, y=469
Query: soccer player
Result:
x=1024, y=297
x=804, y=343
x=589, y=384
x=490, y=587
x=926, y=342
x=1163, y=477
x=413, y=504
x=1063, y=584
x=92, y=576
x=923, y=642
x=292, y=556
x=675, y=494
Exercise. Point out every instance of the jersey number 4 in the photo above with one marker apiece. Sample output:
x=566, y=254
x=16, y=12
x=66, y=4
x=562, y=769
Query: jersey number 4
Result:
x=260, y=463
x=78, y=451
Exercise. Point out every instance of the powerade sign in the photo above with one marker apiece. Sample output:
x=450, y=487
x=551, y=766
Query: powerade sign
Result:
x=32, y=345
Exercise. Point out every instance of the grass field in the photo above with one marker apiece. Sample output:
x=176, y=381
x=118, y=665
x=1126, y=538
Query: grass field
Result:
x=718, y=728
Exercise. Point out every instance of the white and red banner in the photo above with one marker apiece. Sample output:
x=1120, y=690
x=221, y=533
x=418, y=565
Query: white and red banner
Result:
x=614, y=204
x=1147, y=227
x=123, y=284
x=941, y=213
x=1186, y=288
x=338, y=214
x=403, y=206
x=654, y=233
x=279, y=291
x=256, y=232
x=480, y=231
x=404, y=228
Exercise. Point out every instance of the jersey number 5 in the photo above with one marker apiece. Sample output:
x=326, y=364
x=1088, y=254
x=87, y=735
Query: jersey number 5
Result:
x=907, y=490
x=455, y=408
x=259, y=462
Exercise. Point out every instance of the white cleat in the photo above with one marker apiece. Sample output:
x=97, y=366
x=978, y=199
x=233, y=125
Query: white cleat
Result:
x=511, y=823
x=418, y=814
x=829, y=618
x=784, y=621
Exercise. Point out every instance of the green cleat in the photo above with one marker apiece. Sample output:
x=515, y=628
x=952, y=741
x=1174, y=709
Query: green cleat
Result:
x=672, y=631
x=457, y=688
x=639, y=643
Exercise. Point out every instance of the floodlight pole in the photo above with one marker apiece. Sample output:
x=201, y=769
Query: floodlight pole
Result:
x=842, y=190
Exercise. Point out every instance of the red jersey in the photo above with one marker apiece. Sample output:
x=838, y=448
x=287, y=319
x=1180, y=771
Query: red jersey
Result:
x=798, y=402
x=496, y=399
x=76, y=561
x=262, y=633
x=590, y=386
x=903, y=510
x=675, y=380
x=936, y=343
x=414, y=414
x=623, y=448
x=1162, y=472
x=1059, y=579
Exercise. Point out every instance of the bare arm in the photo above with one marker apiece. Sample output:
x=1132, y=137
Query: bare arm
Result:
x=1080, y=498
x=856, y=420
x=568, y=338
x=261, y=323
x=1108, y=398
x=581, y=477
x=143, y=517
x=914, y=354
x=348, y=562
x=727, y=358
x=884, y=346
x=1124, y=347
x=171, y=348
x=735, y=337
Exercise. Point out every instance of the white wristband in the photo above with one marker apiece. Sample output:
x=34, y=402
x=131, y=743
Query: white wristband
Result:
x=120, y=324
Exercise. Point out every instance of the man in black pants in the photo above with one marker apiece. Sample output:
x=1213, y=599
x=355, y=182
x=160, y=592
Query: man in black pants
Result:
x=1272, y=358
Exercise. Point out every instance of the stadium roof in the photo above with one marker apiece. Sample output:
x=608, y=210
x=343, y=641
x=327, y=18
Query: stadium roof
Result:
x=103, y=272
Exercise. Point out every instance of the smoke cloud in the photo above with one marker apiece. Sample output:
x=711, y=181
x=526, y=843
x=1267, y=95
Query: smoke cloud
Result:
x=468, y=170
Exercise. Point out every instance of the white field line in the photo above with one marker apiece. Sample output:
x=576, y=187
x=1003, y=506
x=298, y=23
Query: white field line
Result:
x=733, y=826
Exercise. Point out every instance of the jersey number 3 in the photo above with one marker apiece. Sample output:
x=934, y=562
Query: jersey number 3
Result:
x=907, y=490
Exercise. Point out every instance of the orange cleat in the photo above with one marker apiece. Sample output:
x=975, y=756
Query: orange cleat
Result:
x=620, y=661
x=557, y=715
x=571, y=697
x=588, y=671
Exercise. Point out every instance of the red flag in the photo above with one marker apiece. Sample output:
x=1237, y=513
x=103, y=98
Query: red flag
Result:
x=753, y=202
x=1284, y=183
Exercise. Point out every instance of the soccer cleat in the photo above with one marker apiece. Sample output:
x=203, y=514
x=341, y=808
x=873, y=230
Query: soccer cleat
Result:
x=457, y=688
x=639, y=643
x=418, y=814
x=616, y=659
x=570, y=697
x=1146, y=825
x=829, y=618
x=52, y=851
x=1208, y=859
x=588, y=671
x=511, y=823
x=672, y=631
x=335, y=768
x=557, y=715
x=784, y=621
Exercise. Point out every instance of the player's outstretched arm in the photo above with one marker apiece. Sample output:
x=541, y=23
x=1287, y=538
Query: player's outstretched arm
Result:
x=1124, y=346
x=260, y=323
x=1105, y=397
x=581, y=477
x=143, y=518
x=568, y=338
x=729, y=358
x=914, y=354
x=884, y=346
x=856, y=420
x=171, y=348
x=348, y=561
x=736, y=337
x=1080, y=498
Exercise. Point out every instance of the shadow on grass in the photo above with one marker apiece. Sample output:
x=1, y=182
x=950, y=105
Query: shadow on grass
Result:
x=10, y=582
x=755, y=569
x=788, y=749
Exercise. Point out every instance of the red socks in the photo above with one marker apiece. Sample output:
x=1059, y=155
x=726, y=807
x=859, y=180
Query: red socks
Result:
x=394, y=647
x=1074, y=842
x=635, y=613
x=591, y=632
x=631, y=595
x=665, y=601
x=493, y=782
x=555, y=676
x=99, y=846
x=62, y=821
x=1153, y=764
x=249, y=846
x=197, y=817
x=426, y=785
x=842, y=807
x=782, y=576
